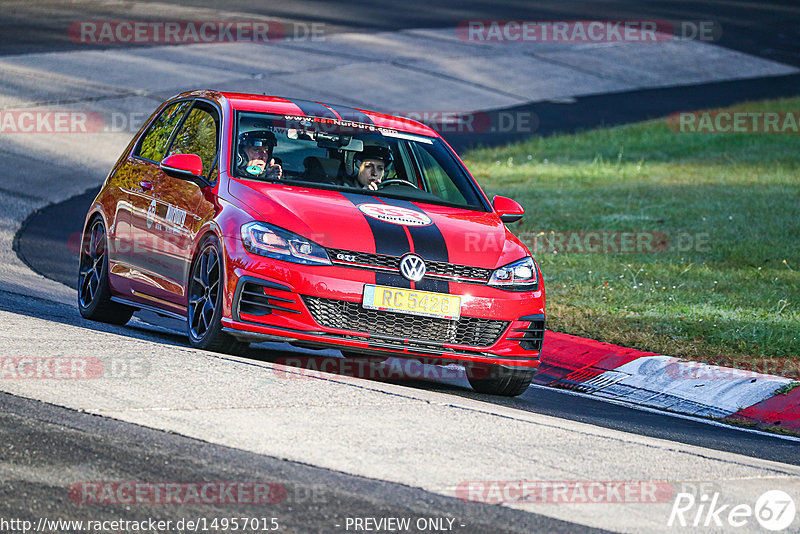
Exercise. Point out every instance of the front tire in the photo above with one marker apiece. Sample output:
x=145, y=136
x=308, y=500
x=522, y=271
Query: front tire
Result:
x=499, y=380
x=94, y=292
x=204, y=299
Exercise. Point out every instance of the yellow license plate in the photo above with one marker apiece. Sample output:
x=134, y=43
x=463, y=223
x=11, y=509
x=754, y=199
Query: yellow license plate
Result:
x=412, y=301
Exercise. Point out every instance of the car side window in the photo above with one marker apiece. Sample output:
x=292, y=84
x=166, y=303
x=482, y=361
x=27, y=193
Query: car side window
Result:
x=154, y=142
x=198, y=135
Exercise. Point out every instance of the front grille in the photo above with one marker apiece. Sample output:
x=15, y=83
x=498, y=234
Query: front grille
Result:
x=382, y=261
x=364, y=258
x=458, y=271
x=345, y=315
x=533, y=336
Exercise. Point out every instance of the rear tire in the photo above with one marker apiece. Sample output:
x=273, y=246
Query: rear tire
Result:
x=498, y=380
x=94, y=292
x=204, y=302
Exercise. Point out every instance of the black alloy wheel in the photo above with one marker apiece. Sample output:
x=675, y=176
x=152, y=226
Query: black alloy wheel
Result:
x=94, y=293
x=204, y=299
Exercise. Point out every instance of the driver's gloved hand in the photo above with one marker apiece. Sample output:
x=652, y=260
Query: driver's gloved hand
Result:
x=274, y=171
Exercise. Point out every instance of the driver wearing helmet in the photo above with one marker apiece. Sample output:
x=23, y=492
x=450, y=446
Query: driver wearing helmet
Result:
x=371, y=164
x=254, y=157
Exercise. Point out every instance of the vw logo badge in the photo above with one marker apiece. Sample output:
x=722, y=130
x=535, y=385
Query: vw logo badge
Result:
x=412, y=267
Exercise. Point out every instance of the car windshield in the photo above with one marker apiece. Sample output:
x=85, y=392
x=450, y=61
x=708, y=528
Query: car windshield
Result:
x=349, y=155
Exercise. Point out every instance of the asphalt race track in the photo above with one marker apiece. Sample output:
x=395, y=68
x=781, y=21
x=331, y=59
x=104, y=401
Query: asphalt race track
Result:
x=338, y=447
x=41, y=244
x=62, y=439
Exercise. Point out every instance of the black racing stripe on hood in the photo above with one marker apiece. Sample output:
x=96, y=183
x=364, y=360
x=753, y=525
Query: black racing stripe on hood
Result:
x=351, y=114
x=428, y=243
x=390, y=239
x=314, y=109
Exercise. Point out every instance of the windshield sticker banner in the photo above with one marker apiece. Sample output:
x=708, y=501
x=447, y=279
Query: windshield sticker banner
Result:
x=300, y=119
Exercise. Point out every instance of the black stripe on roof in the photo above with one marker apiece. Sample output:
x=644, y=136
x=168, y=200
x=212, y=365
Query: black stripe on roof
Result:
x=315, y=109
x=351, y=114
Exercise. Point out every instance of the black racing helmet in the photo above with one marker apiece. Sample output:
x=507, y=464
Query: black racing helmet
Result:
x=257, y=138
x=374, y=152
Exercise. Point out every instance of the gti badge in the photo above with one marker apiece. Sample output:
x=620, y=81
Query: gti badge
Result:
x=412, y=267
x=346, y=257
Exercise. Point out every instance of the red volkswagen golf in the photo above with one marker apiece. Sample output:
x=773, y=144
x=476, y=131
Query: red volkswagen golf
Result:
x=258, y=218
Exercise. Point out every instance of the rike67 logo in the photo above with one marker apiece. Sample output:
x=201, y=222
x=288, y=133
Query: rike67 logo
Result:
x=774, y=510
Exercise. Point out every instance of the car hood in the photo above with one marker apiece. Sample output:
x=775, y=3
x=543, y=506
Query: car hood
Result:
x=364, y=223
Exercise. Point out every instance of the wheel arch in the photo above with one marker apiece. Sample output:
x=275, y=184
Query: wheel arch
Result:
x=95, y=211
x=209, y=229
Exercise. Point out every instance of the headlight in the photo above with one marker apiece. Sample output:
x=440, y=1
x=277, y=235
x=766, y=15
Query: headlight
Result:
x=267, y=240
x=517, y=276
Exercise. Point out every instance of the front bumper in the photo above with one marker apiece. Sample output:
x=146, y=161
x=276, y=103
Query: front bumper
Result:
x=321, y=306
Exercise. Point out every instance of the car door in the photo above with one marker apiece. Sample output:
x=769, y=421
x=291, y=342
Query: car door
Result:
x=135, y=216
x=181, y=204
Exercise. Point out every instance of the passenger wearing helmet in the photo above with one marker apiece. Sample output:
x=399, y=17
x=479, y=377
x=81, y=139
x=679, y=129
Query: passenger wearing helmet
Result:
x=254, y=157
x=371, y=164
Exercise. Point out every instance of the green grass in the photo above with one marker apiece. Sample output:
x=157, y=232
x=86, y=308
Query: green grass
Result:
x=786, y=389
x=761, y=426
x=728, y=289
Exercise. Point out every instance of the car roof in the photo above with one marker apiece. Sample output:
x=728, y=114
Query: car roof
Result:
x=308, y=108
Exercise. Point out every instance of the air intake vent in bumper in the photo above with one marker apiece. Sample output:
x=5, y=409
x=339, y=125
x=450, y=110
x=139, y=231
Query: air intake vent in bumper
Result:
x=254, y=298
x=533, y=336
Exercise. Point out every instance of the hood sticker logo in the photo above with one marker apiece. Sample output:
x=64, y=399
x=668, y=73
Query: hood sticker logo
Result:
x=395, y=215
